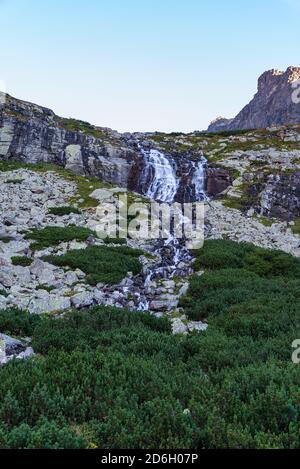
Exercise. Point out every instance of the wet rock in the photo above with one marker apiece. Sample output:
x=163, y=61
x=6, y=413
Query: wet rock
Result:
x=218, y=180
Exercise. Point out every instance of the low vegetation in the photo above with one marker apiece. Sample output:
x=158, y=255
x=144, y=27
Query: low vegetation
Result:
x=65, y=210
x=5, y=239
x=296, y=226
x=18, y=323
x=109, y=378
x=74, y=125
x=101, y=264
x=53, y=235
x=218, y=145
x=21, y=260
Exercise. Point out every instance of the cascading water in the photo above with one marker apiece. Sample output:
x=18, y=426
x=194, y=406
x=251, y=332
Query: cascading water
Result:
x=164, y=183
x=199, y=179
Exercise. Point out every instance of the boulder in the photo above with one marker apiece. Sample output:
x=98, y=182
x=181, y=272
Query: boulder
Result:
x=82, y=299
x=178, y=327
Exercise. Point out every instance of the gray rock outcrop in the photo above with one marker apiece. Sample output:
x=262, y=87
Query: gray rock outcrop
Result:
x=275, y=103
x=34, y=134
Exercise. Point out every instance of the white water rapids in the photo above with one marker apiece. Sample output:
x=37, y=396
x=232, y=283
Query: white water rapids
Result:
x=162, y=186
x=199, y=179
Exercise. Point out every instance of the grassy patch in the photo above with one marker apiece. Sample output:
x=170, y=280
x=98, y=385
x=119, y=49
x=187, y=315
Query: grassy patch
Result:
x=53, y=235
x=45, y=287
x=265, y=221
x=73, y=125
x=14, y=165
x=66, y=210
x=21, y=260
x=101, y=264
x=218, y=145
x=296, y=227
x=220, y=254
x=115, y=241
x=233, y=202
x=3, y=293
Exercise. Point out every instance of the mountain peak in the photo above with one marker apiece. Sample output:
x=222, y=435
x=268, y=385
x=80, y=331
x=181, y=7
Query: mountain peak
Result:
x=273, y=103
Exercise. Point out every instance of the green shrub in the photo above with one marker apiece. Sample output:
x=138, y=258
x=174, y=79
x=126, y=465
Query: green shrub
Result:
x=219, y=254
x=110, y=378
x=5, y=239
x=47, y=288
x=87, y=330
x=61, y=211
x=21, y=260
x=53, y=235
x=267, y=263
x=45, y=435
x=101, y=263
x=16, y=322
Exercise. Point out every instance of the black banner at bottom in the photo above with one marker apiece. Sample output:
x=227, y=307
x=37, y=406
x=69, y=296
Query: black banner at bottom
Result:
x=139, y=458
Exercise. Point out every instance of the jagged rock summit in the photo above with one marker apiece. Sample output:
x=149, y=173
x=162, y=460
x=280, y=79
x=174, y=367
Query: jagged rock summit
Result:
x=277, y=102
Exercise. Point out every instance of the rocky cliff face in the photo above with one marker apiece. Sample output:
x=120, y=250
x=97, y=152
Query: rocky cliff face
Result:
x=34, y=134
x=275, y=103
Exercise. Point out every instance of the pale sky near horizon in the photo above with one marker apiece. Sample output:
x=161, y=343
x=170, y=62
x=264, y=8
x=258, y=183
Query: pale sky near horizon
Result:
x=138, y=65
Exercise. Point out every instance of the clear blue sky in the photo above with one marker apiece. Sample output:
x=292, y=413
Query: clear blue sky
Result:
x=144, y=64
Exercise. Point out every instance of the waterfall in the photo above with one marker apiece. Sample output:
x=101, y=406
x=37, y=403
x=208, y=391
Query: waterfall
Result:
x=199, y=179
x=161, y=183
x=162, y=175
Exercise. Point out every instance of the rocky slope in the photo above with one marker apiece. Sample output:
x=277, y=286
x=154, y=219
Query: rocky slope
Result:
x=27, y=197
x=26, y=200
x=275, y=103
x=266, y=172
x=255, y=177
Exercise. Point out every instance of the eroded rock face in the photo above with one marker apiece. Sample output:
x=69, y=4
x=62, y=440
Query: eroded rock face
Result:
x=223, y=222
x=218, y=179
x=281, y=197
x=273, y=104
x=34, y=134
